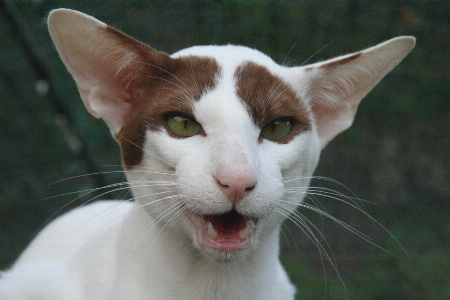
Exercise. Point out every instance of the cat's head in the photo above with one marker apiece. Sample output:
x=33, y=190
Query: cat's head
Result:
x=215, y=139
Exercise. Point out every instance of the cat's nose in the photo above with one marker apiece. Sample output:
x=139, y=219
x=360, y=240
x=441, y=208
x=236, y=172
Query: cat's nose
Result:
x=236, y=189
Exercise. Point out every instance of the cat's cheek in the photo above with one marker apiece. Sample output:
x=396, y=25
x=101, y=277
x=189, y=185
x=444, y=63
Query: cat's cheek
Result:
x=293, y=154
x=159, y=145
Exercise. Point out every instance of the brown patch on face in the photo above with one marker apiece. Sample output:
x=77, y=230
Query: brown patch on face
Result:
x=268, y=98
x=157, y=85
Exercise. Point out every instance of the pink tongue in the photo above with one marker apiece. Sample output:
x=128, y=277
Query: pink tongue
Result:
x=228, y=225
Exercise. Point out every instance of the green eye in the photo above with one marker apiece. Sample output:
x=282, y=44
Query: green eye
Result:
x=183, y=126
x=277, y=130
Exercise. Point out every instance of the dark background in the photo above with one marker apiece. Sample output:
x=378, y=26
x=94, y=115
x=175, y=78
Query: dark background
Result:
x=396, y=155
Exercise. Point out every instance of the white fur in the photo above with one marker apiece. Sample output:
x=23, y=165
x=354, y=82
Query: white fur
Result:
x=149, y=249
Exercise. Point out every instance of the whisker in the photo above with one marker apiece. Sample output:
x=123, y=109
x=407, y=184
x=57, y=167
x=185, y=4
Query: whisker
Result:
x=352, y=229
x=304, y=224
x=289, y=52
x=96, y=215
x=343, y=224
x=158, y=219
x=169, y=73
x=194, y=79
x=147, y=152
x=86, y=175
x=301, y=223
x=85, y=193
x=315, y=53
x=186, y=89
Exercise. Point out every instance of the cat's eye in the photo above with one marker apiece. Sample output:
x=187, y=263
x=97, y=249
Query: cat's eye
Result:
x=277, y=130
x=183, y=126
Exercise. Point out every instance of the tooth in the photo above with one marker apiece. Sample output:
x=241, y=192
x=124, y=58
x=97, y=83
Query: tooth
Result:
x=212, y=233
x=243, y=233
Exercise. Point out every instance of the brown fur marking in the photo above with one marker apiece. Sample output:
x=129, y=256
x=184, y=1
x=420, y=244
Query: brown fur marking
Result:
x=341, y=61
x=268, y=98
x=334, y=64
x=158, y=84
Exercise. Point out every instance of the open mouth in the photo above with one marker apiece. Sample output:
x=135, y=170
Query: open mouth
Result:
x=226, y=232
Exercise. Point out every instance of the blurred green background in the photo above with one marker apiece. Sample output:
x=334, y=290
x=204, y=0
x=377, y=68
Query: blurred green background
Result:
x=396, y=155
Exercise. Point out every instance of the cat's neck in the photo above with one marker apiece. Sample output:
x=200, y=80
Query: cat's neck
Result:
x=190, y=273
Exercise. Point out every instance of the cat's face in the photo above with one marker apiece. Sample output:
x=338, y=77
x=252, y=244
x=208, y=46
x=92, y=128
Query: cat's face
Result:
x=231, y=143
x=219, y=142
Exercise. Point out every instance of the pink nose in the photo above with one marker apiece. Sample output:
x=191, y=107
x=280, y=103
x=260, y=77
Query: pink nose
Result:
x=236, y=188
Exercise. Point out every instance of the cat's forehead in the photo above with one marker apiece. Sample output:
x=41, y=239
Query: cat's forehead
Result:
x=248, y=80
x=228, y=56
x=249, y=88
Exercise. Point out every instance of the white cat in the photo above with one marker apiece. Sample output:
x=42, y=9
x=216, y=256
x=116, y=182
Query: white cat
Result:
x=218, y=144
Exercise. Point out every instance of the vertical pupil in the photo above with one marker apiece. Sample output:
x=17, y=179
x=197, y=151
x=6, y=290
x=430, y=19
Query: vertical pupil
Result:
x=185, y=123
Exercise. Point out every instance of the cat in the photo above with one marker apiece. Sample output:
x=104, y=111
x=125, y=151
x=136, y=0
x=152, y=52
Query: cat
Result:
x=218, y=144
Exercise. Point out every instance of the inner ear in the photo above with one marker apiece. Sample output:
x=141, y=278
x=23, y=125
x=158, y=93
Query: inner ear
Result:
x=336, y=87
x=110, y=68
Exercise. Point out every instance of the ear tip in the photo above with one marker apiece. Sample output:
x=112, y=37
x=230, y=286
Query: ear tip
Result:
x=64, y=16
x=55, y=17
x=407, y=42
x=58, y=14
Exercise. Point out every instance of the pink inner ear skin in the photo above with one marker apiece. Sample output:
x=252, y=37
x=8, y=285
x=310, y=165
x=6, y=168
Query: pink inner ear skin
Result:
x=338, y=85
x=329, y=120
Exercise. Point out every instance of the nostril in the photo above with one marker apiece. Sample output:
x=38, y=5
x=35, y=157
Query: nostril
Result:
x=249, y=189
x=222, y=185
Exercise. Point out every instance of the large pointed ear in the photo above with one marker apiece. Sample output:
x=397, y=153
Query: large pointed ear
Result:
x=336, y=87
x=105, y=63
